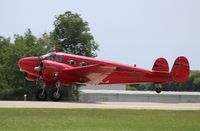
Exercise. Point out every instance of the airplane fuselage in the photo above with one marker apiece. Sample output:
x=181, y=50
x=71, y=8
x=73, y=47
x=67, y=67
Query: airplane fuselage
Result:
x=55, y=69
x=121, y=74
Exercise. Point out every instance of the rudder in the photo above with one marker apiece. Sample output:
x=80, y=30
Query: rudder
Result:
x=161, y=64
x=180, y=70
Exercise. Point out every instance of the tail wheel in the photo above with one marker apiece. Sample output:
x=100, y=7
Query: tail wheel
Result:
x=158, y=90
x=41, y=95
x=56, y=95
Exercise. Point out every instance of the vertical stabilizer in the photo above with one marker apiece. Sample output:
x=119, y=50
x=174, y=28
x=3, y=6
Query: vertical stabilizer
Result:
x=161, y=64
x=181, y=69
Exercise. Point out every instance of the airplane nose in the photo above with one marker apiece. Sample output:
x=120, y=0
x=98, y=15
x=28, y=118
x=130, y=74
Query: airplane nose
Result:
x=21, y=63
x=27, y=63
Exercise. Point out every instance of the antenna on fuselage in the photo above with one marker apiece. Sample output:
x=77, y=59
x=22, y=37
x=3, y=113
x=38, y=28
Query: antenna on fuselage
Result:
x=57, y=49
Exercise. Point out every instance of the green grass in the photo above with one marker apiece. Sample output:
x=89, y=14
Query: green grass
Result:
x=97, y=119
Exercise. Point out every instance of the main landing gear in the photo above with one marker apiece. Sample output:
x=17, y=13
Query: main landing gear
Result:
x=41, y=94
x=55, y=93
x=158, y=88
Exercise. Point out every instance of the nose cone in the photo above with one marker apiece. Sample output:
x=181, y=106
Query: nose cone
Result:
x=21, y=63
x=28, y=64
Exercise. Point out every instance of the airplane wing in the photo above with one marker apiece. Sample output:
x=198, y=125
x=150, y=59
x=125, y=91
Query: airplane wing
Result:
x=94, y=73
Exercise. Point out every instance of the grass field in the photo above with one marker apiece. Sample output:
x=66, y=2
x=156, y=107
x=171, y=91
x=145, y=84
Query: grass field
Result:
x=97, y=119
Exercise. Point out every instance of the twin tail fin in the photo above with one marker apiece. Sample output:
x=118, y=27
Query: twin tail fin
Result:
x=180, y=70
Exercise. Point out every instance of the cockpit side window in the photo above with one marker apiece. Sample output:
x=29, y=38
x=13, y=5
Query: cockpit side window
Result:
x=52, y=57
x=58, y=58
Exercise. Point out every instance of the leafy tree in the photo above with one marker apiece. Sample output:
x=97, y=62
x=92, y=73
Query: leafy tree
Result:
x=4, y=49
x=73, y=36
x=11, y=79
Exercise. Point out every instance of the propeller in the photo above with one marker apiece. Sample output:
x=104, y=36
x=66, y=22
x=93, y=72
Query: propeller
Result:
x=40, y=64
x=39, y=68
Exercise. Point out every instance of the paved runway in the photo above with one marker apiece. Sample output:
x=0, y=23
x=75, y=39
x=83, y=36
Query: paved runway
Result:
x=101, y=105
x=139, y=96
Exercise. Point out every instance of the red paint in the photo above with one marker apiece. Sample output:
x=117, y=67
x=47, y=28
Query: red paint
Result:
x=73, y=69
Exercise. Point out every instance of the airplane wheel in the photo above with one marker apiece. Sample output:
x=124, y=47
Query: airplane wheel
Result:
x=40, y=96
x=158, y=90
x=56, y=96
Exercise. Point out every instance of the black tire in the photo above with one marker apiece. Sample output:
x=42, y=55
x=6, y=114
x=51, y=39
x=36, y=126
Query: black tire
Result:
x=40, y=96
x=56, y=96
x=158, y=90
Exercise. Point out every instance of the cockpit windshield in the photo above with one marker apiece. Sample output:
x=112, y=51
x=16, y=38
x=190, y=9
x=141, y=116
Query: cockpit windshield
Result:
x=46, y=55
x=52, y=57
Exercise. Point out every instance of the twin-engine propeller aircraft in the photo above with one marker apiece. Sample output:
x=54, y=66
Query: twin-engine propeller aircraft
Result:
x=56, y=68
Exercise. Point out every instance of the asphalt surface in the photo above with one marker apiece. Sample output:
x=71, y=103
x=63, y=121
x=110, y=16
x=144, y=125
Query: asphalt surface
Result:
x=101, y=105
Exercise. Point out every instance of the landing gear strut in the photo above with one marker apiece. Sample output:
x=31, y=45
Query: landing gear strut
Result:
x=41, y=94
x=56, y=93
x=158, y=88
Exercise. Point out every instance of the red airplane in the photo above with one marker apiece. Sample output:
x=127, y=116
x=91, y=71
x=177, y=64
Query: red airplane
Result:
x=56, y=68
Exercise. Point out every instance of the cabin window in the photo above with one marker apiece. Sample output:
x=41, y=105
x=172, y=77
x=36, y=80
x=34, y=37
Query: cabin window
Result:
x=82, y=63
x=71, y=62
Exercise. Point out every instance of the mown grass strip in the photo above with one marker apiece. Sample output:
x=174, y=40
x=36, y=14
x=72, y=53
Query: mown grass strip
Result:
x=97, y=119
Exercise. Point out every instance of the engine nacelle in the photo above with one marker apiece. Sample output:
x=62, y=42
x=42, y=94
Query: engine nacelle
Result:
x=51, y=70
